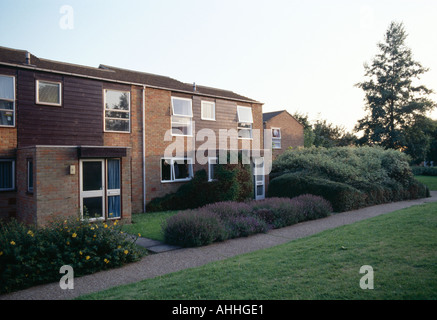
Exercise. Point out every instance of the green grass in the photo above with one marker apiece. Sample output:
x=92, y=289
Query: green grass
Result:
x=148, y=224
x=400, y=246
x=430, y=181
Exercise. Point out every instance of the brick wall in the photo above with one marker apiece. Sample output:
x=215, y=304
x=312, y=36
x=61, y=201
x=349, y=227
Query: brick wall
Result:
x=8, y=147
x=291, y=132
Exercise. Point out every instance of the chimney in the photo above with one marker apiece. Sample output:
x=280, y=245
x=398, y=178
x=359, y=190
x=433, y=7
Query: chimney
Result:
x=27, y=57
x=194, y=86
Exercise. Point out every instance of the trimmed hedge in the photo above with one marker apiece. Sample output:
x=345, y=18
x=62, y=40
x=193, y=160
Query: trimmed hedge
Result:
x=348, y=177
x=227, y=220
x=341, y=196
x=424, y=171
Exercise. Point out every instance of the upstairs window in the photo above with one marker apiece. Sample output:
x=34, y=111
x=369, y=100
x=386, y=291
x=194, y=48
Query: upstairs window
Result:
x=7, y=174
x=117, y=111
x=48, y=92
x=182, y=117
x=245, y=121
x=276, y=138
x=7, y=101
x=208, y=110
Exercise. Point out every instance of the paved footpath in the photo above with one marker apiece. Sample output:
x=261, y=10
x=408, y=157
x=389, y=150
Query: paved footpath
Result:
x=171, y=259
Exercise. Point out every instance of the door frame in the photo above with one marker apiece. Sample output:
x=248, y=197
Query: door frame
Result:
x=93, y=193
x=257, y=182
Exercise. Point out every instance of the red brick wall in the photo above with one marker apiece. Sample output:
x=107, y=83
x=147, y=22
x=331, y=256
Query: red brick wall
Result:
x=291, y=132
x=8, y=147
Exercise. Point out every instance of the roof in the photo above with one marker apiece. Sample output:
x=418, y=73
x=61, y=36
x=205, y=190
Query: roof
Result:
x=269, y=115
x=17, y=58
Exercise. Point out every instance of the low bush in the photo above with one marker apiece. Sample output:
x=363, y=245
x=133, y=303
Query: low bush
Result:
x=424, y=171
x=341, y=196
x=31, y=256
x=193, y=228
x=227, y=220
x=348, y=177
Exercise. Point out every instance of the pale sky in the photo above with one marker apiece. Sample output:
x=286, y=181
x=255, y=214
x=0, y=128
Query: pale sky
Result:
x=301, y=56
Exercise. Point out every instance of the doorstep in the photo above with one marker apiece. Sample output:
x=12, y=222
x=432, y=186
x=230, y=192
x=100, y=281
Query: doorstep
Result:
x=155, y=246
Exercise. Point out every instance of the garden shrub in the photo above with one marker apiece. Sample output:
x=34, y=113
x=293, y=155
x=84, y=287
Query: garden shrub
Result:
x=227, y=220
x=233, y=183
x=31, y=256
x=348, y=177
x=424, y=171
x=342, y=197
x=193, y=228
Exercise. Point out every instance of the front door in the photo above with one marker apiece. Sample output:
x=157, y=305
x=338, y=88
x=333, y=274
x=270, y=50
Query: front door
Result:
x=92, y=192
x=259, y=178
x=100, y=195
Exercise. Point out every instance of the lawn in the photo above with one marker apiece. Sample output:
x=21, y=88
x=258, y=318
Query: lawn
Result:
x=430, y=181
x=148, y=224
x=400, y=247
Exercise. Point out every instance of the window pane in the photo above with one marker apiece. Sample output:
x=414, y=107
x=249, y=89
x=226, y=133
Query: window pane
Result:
x=181, y=125
x=117, y=114
x=48, y=92
x=113, y=174
x=92, y=176
x=6, y=175
x=276, y=133
x=30, y=175
x=165, y=170
x=208, y=110
x=245, y=133
x=6, y=105
x=6, y=118
x=92, y=207
x=117, y=100
x=276, y=143
x=260, y=190
x=117, y=125
x=7, y=88
x=114, y=207
x=182, y=107
x=244, y=114
x=181, y=169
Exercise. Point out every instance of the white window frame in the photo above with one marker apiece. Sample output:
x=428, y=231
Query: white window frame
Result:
x=125, y=111
x=13, y=174
x=172, y=172
x=210, y=163
x=189, y=117
x=59, y=92
x=242, y=120
x=205, y=103
x=276, y=139
x=9, y=100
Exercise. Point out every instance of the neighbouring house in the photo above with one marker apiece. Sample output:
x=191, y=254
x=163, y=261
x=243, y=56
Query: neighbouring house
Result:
x=285, y=131
x=102, y=142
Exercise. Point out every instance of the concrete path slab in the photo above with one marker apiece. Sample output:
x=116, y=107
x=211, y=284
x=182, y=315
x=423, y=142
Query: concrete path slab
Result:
x=175, y=260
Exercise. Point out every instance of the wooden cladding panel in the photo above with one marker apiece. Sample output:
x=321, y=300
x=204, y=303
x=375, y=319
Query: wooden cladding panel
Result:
x=79, y=121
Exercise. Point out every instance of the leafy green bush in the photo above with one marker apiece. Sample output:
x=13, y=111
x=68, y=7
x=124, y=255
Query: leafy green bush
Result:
x=31, y=256
x=348, y=177
x=424, y=171
x=341, y=196
x=233, y=183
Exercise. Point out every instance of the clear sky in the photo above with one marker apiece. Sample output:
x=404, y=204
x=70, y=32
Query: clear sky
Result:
x=301, y=56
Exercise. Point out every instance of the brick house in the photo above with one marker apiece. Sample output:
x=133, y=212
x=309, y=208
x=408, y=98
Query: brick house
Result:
x=285, y=131
x=102, y=142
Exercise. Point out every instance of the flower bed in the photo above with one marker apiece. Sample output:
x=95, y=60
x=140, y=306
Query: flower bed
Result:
x=31, y=256
x=227, y=220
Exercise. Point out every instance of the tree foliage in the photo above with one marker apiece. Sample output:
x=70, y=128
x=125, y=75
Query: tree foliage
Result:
x=393, y=100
